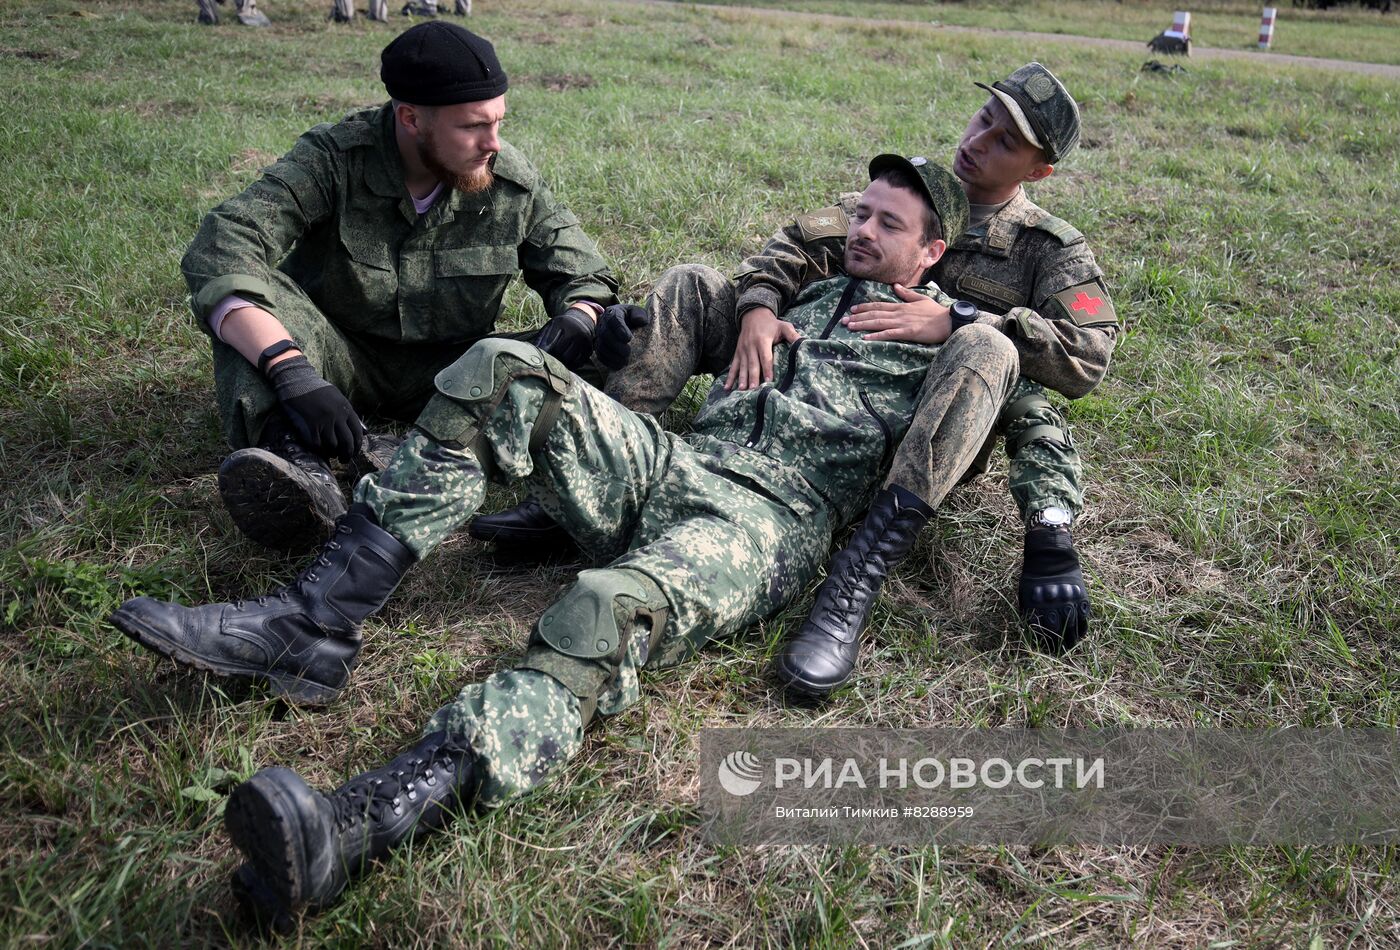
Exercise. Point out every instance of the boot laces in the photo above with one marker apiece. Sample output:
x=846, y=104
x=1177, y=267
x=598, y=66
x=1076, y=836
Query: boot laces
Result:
x=847, y=583
x=370, y=797
x=302, y=457
x=297, y=586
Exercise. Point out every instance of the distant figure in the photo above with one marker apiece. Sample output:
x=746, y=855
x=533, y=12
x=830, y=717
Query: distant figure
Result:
x=248, y=13
x=1164, y=42
x=429, y=8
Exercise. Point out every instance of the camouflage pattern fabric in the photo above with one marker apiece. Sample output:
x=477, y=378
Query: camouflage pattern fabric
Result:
x=1018, y=259
x=723, y=527
x=380, y=379
x=328, y=236
x=694, y=330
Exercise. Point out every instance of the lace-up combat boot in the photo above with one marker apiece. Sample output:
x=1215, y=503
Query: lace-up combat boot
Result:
x=302, y=638
x=304, y=846
x=821, y=656
x=281, y=494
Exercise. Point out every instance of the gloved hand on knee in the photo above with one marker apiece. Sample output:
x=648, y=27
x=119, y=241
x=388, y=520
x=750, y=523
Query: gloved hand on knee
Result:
x=568, y=337
x=1053, y=597
x=324, y=420
x=615, y=329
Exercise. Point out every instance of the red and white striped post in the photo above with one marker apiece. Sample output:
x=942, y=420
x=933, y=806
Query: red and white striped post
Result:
x=1266, y=28
x=1181, y=25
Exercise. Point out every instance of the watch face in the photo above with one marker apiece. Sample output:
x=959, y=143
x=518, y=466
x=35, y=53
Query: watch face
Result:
x=1056, y=517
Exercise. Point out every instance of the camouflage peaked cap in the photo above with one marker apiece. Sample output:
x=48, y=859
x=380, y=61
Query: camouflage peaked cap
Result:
x=1042, y=107
x=942, y=190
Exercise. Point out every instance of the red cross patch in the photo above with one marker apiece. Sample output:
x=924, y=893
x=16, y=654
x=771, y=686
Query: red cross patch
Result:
x=1087, y=305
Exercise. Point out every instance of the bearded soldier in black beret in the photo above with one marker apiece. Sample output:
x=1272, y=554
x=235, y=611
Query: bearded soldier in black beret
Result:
x=367, y=259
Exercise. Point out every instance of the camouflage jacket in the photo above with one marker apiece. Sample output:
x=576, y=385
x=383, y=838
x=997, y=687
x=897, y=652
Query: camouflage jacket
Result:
x=1031, y=275
x=335, y=216
x=827, y=426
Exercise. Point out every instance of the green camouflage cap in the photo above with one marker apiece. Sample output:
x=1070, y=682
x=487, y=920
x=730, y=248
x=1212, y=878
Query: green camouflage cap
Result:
x=1042, y=107
x=942, y=189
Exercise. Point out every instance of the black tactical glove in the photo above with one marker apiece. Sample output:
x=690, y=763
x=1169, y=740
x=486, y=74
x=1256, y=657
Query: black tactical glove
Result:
x=615, y=328
x=325, y=421
x=1054, y=600
x=568, y=337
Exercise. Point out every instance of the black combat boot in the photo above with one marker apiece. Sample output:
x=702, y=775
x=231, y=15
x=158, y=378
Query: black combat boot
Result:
x=304, y=846
x=302, y=638
x=527, y=531
x=374, y=455
x=1053, y=596
x=822, y=654
x=281, y=494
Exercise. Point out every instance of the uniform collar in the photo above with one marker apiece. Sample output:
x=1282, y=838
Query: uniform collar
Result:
x=384, y=174
x=997, y=234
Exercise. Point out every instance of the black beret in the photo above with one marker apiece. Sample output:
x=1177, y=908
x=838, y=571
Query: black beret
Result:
x=441, y=64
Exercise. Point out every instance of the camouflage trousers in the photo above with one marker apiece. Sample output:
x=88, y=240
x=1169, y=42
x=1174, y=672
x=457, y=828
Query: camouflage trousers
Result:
x=378, y=376
x=694, y=554
x=694, y=329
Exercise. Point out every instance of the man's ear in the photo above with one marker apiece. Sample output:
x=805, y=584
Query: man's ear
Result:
x=933, y=252
x=1040, y=172
x=410, y=117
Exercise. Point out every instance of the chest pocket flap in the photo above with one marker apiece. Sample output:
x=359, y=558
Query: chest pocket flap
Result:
x=367, y=247
x=478, y=259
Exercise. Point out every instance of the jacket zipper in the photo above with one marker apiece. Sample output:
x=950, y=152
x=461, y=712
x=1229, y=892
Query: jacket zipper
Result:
x=884, y=430
x=842, y=306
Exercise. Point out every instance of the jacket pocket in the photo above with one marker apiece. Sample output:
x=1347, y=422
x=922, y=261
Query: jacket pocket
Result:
x=481, y=260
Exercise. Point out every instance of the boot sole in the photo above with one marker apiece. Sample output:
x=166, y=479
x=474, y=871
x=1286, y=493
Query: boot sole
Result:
x=256, y=819
x=259, y=903
x=275, y=503
x=303, y=692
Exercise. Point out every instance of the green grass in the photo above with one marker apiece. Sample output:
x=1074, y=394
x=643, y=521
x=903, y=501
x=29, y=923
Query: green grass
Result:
x=1350, y=33
x=1241, y=533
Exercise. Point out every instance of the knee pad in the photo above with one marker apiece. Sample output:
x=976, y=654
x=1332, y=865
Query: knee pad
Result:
x=471, y=388
x=583, y=639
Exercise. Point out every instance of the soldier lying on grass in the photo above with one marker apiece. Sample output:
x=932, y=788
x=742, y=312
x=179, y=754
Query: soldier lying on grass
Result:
x=1025, y=271
x=707, y=534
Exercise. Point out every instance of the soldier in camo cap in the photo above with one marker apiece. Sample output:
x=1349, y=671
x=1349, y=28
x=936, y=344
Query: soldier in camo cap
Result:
x=1032, y=276
x=1017, y=268
x=707, y=534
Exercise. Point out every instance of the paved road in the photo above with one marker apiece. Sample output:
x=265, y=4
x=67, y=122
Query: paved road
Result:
x=1197, y=52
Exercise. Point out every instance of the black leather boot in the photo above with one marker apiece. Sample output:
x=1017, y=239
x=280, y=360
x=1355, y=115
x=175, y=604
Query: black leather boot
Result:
x=1053, y=596
x=302, y=638
x=281, y=494
x=304, y=846
x=525, y=529
x=821, y=656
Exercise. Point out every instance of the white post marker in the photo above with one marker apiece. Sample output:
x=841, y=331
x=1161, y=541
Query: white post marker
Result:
x=1181, y=26
x=1266, y=28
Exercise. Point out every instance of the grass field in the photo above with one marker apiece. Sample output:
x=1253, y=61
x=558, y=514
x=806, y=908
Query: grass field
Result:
x=1241, y=533
x=1348, y=33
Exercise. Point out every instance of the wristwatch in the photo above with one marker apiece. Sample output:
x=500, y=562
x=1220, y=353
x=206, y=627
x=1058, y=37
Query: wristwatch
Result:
x=1051, y=517
x=962, y=312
